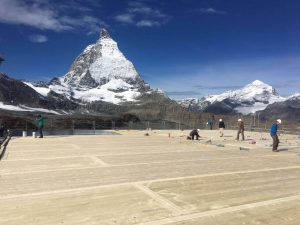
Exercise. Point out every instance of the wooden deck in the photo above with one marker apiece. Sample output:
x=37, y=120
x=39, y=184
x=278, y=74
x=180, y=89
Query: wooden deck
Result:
x=136, y=179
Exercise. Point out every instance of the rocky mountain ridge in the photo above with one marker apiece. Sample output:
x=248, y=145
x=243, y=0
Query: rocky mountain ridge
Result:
x=254, y=97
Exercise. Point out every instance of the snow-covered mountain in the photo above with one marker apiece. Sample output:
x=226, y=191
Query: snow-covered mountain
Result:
x=100, y=73
x=253, y=97
x=287, y=110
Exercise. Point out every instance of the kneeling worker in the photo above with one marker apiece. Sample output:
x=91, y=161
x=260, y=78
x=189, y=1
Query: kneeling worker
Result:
x=193, y=134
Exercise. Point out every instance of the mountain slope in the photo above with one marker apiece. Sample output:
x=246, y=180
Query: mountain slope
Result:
x=287, y=110
x=16, y=95
x=249, y=99
x=100, y=73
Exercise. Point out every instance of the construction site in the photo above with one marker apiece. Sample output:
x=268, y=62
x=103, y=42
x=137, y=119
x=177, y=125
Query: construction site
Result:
x=150, y=177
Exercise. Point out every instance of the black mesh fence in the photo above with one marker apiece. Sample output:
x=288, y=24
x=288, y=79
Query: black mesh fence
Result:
x=69, y=126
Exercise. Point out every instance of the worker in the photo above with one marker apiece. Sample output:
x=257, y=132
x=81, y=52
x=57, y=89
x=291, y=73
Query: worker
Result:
x=241, y=129
x=221, y=127
x=194, y=133
x=40, y=123
x=210, y=123
x=274, y=135
x=3, y=130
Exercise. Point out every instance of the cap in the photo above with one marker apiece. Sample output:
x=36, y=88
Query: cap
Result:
x=279, y=121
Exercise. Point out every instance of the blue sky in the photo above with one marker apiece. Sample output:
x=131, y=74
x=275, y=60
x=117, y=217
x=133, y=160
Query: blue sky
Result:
x=188, y=48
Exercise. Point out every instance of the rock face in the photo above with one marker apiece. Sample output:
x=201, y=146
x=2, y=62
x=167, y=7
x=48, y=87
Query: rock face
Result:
x=249, y=99
x=16, y=95
x=287, y=110
x=101, y=73
x=16, y=92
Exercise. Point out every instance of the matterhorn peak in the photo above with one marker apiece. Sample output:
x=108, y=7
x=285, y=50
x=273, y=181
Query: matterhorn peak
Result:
x=102, y=73
x=104, y=34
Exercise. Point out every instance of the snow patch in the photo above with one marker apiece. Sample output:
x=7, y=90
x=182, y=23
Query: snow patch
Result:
x=23, y=108
x=41, y=90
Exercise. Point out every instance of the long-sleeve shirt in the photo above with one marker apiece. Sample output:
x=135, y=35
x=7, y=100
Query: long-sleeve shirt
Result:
x=221, y=124
x=241, y=125
x=274, y=128
x=40, y=121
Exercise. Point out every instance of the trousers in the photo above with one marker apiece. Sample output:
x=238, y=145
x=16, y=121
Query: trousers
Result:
x=275, y=141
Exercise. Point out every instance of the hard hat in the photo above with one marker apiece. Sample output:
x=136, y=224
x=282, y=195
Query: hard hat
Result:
x=220, y=120
x=279, y=121
x=239, y=120
x=198, y=130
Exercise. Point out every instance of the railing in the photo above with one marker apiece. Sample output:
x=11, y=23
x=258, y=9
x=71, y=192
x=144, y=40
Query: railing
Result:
x=88, y=126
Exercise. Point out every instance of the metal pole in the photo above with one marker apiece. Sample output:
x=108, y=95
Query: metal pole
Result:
x=94, y=126
x=73, y=126
x=112, y=125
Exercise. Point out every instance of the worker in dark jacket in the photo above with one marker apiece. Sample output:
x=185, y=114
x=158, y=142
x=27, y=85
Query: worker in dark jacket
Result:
x=3, y=130
x=274, y=135
x=40, y=123
x=194, y=133
x=221, y=127
x=210, y=123
x=241, y=129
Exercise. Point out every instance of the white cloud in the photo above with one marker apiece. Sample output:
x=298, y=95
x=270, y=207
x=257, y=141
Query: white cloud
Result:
x=38, y=38
x=142, y=15
x=125, y=18
x=211, y=11
x=46, y=15
x=147, y=23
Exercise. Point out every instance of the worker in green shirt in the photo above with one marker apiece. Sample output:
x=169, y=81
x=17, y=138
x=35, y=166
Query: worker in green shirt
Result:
x=40, y=122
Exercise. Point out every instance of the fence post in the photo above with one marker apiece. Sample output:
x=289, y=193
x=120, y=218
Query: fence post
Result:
x=113, y=125
x=94, y=126
x=73, y=126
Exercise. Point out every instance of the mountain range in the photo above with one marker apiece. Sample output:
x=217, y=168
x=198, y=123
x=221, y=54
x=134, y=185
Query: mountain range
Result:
x=102, y=81
x=254, y=97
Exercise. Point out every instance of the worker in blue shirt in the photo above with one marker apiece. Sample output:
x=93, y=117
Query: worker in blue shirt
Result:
x=274, y=135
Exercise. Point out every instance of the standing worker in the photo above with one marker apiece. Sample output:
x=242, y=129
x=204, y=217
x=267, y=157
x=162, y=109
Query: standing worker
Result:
x=194, y=133
x=221, y=127
x=40, y=122
x=3, y=130
x=210, y=123
x=274, y=135
x=241, y=129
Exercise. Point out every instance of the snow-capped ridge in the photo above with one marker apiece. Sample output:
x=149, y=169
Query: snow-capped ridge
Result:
x=294, y=96
x=258, y=83
x=251, y=98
